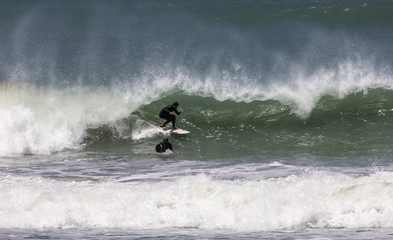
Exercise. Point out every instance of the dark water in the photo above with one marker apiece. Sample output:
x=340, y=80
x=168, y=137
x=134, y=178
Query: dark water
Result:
x=289, y=105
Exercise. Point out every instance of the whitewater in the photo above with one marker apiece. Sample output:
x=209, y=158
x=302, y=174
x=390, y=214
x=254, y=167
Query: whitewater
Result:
x=316, y=199
x=289, y=105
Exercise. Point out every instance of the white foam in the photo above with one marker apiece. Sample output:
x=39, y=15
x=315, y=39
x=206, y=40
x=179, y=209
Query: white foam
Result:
x=46, y=120
x=20, y=132
x=315, y=200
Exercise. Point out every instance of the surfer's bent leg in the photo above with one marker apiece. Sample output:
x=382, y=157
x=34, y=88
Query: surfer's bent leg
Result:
x=167, y=117
x=173, y=119
x=167, y=121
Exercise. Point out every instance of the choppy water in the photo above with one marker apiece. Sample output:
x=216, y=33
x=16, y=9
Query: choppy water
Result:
x=289, y=104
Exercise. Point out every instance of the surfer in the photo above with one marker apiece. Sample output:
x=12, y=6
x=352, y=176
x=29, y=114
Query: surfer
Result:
x=168, y=113
x=163, y=146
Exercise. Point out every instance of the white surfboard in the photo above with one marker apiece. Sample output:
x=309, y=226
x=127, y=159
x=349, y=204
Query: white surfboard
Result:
x=171, y=131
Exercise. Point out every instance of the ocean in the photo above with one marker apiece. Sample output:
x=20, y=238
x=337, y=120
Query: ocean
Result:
x=289, y=104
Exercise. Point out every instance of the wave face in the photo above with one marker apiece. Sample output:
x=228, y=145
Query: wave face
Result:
x=303, y=77
x=354, y=126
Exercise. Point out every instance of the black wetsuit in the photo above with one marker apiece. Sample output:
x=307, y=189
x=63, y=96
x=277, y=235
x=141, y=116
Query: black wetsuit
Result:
x=165, y=113
x=163, y=146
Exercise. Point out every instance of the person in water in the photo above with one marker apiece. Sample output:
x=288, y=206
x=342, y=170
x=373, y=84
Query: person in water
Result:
x=163, y=146
x=168, y=113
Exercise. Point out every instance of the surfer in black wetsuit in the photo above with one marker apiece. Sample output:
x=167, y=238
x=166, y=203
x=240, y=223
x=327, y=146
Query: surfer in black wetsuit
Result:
x=168, y=113
x=163, y=146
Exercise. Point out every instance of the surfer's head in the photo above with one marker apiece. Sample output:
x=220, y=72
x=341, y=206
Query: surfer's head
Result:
x=175, y=104
x=166, y=139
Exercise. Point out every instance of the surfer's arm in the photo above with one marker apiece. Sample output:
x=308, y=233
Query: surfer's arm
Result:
x=178, y=112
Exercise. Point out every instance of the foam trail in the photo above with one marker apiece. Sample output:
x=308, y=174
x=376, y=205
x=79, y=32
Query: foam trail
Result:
x=144, y=130
x=317, y=200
